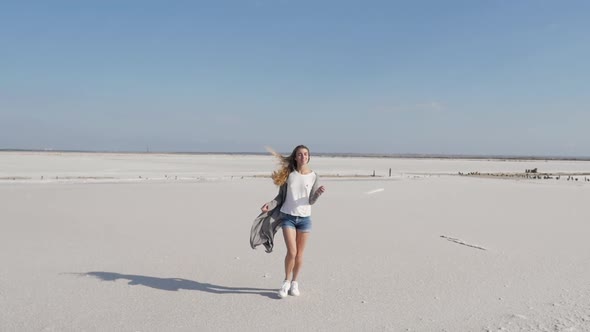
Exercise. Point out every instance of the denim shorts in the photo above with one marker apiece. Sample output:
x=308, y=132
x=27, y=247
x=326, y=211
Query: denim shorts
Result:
x=302, y=224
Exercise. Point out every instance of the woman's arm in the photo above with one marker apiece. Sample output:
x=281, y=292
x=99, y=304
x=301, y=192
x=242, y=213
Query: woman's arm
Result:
x=278, y=200
x=316, y=190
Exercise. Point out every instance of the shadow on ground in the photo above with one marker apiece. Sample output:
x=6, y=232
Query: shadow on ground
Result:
x=175, y=284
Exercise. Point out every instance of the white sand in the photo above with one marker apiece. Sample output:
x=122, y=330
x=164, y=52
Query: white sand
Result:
x=104, y=250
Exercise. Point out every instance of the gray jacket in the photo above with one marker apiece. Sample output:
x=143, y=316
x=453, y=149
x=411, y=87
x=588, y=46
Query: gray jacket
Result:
x=266, y=225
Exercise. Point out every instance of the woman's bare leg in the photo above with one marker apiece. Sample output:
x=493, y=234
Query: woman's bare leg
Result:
x=291, y=241
x=301, y=241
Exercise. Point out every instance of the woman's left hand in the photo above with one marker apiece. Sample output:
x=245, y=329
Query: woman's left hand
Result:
x=321, y=190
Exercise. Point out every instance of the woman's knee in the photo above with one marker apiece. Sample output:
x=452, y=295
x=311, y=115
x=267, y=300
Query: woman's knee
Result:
x=292, y=254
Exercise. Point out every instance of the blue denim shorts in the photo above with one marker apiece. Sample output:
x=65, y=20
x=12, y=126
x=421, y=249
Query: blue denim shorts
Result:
x=302, y=224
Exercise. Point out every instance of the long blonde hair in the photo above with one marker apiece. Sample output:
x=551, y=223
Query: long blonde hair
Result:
x=286, y=164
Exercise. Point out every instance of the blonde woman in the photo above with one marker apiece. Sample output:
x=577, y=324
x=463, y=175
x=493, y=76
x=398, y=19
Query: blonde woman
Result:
x=298, y=189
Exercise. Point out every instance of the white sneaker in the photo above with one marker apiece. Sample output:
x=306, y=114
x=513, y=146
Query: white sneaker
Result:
x=294, y=289
x=284, y=289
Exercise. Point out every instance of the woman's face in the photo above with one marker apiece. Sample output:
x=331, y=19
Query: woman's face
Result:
x=301, y=156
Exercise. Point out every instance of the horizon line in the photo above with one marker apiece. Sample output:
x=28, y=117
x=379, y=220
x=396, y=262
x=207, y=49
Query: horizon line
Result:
x=329, y=154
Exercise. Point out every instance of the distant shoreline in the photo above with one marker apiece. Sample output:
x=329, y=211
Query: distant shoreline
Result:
x=330, y=154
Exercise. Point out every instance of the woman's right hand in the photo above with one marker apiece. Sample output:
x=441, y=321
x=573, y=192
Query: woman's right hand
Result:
x=264, y=208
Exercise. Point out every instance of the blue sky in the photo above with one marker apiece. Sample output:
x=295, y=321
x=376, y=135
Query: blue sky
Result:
x=440, y=77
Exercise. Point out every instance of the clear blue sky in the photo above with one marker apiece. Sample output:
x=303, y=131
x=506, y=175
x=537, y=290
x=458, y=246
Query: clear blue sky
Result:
x=450, y=77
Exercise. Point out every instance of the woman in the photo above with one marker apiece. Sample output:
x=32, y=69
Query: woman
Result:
x=291, y=210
